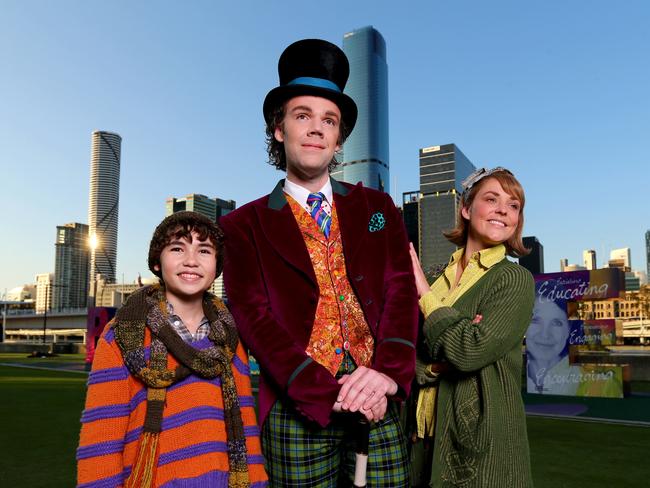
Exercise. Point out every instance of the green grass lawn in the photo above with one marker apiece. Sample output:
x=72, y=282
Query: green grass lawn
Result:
x=575, y=454
x=39, y=425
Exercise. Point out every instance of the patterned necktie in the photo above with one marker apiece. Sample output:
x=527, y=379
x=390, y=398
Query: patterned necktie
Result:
x=323, y=221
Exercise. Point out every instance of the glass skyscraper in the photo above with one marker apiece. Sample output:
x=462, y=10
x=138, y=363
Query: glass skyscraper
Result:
x=103, y=204
x=365, y=153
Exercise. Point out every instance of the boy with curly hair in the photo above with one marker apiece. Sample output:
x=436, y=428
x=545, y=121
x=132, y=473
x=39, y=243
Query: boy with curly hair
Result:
x=169, y=397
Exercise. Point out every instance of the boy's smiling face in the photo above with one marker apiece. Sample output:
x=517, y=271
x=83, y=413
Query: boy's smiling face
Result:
x=188, y=267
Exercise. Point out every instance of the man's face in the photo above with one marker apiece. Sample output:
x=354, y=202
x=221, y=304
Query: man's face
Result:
x=188, y=268
x=310, y=133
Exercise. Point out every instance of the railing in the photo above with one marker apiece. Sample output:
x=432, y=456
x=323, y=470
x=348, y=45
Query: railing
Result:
x=51, y=312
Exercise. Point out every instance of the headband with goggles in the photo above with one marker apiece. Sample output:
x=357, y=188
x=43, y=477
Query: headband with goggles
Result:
x=479, y=174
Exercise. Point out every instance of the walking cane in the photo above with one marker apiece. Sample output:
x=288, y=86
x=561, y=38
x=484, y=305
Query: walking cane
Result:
x=361, y=464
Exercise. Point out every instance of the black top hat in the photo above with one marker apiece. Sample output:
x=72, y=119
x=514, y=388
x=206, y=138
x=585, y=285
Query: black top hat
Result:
x=313, y=67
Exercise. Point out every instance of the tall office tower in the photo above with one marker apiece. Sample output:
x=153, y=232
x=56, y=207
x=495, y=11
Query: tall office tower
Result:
x=103, y=204
x=442, y=169
x=213, y=208
x=71, y=266
x=365, y=153
x=534, y=261
x=589, y=259
x=621, y=258
x=564, y=262
x=43, y=292
x=647, y=253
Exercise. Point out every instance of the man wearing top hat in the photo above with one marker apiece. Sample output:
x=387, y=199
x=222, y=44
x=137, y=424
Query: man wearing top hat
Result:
x=319, y=279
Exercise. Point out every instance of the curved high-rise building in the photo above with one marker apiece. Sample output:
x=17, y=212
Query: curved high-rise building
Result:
x=365, y=153
x=103, y=204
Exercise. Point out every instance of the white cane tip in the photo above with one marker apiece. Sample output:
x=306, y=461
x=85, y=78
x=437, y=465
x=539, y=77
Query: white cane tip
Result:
x=360, y=470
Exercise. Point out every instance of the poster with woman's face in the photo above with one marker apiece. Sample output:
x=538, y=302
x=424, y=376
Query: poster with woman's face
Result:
x=555, y=327
x=548, y=333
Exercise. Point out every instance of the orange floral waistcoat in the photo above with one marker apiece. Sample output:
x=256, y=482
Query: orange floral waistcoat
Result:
x=339, y=323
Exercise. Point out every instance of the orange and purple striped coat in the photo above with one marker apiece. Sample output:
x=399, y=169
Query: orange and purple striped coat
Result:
x=192, y=446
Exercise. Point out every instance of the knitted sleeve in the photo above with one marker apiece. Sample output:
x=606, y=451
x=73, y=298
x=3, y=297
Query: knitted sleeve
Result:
x=104, y=420
x=506, y=310
x=241, y=374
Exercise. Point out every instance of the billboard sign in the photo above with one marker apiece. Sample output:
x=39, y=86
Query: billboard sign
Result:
x=556, y=327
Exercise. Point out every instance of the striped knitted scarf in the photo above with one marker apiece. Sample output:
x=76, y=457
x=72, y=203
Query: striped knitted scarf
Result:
x=147, y=307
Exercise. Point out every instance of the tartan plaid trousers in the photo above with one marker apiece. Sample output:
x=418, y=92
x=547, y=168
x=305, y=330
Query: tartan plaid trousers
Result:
x=301, y=454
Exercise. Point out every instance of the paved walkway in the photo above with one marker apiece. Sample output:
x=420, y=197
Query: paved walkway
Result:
x=50, y=366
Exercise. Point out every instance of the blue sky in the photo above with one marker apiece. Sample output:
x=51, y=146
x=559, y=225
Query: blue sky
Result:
x=556, y=91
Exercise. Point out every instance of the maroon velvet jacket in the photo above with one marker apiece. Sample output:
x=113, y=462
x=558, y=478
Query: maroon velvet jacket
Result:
x=273, y=293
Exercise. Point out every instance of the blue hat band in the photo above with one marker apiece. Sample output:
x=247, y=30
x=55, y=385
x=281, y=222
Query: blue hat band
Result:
x=317, y=82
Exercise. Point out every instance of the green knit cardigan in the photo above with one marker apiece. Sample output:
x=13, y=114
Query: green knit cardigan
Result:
x=480, y=437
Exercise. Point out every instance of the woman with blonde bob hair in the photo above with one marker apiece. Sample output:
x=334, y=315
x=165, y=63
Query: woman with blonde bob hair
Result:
x=468, y=424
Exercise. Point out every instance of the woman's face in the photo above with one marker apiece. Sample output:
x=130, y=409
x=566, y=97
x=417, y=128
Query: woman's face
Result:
x=493, y=216
x=548, y=331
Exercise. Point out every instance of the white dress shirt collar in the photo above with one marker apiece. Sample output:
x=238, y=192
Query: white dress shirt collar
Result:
x=300, y=194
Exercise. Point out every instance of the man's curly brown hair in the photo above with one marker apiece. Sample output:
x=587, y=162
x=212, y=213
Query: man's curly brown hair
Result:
x=275, y=148
x=180, y=225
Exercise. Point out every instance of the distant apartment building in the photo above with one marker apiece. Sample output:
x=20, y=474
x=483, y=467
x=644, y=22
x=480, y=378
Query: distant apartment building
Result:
x=218, y=288
x=564, y=262
x=71, y=266
x=621, y=258
x=632, y=281
x=589, y=259
x=411, y=217
x=213, y=208
x=534, y=261
x=115, y=294
x=44, y=282
x=574, y=267
x=24, y=293
x=643, y=277
x=627, y=307
x=647, y=253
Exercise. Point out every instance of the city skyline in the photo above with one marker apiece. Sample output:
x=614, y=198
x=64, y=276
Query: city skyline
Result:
x=555, y=98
